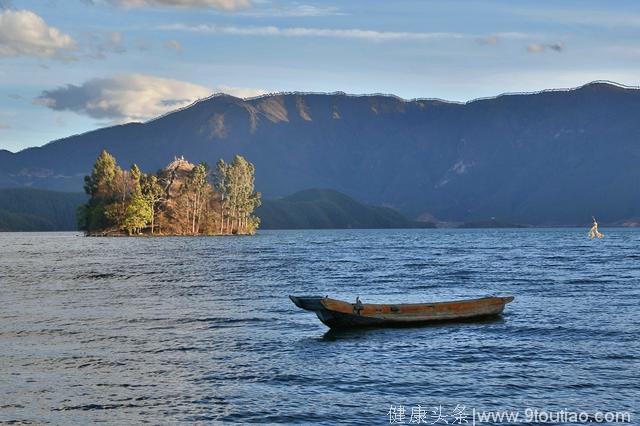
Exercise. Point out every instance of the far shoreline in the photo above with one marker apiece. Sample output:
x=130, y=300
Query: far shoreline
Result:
x=263, y=230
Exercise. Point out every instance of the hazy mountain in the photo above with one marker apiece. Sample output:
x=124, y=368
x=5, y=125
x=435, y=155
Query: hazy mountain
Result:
x=553, y=157
x=490, y=223
x=26, y=209
x=329, y=209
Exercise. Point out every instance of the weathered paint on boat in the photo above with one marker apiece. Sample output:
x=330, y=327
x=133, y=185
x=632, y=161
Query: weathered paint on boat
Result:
x=338, y=314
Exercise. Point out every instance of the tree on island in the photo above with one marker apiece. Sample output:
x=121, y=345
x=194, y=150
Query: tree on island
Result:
x=154, y=194
x=235, y=183
x=180, y=199
x=139, y=212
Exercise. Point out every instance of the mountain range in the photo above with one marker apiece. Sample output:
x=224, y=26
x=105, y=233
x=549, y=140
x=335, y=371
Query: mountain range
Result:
x=28, y=209
x=548, y=158
x=328, y=209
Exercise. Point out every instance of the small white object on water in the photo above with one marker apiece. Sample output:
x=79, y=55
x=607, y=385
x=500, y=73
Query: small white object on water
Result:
x=593, y=232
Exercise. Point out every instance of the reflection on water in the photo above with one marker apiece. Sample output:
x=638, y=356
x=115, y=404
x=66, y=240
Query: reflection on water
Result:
x=201, y=329
x=337, y=334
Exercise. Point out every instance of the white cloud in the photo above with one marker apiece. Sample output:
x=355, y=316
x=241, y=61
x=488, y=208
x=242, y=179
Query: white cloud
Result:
x=23, y=33
x=131, y=97
x=226, y=5
x=314, y=32
x=173, y=45
x=240, y=92
x=295, y=10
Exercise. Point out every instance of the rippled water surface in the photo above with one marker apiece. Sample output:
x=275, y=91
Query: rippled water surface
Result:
x=170, y=330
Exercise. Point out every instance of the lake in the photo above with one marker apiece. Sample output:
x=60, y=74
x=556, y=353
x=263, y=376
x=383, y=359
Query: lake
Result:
x=176, y=330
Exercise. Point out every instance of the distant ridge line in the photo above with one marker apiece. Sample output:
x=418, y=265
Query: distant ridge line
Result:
x=566, y=89
x=390, y=95
x=266, y=95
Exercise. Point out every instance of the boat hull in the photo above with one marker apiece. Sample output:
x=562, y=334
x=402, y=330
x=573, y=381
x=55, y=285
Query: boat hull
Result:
x=338, y=314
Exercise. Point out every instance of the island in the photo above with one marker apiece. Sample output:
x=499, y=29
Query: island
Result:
x=180, y=199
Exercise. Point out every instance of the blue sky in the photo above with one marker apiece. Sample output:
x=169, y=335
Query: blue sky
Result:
x=68, y=66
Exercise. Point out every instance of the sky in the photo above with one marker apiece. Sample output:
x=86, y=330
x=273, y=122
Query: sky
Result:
x=70, y=66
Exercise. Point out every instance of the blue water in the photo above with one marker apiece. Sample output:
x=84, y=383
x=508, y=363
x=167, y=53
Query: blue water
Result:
x=176, y=330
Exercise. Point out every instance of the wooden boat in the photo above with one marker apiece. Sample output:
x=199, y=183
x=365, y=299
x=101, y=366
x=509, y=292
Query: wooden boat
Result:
x=338, y=314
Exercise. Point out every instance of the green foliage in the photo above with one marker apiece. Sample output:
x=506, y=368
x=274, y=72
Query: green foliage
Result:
x=153, y=193
x=253, y=223
x=135, y=177
x=99, y=183
x=138, y=214
x=179, y=200
x=100, y=187
x=195, y=191
x=151, y=189
x=198, y=180
x=235, y=183
x=92, y=216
